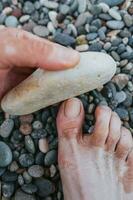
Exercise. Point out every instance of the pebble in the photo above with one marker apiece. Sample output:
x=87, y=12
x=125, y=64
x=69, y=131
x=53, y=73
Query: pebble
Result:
x=91, y=36
x=49, y=4
x=53, y=170
x=45, y=187
x=82, y=6
x=104, y=6
x=6, y=128
x=51, y=28
x=82, y=19
x=14, y=166
x=123, y=113
x=11, y=21
x=115, y=24
x=121, y=80
x=29, y=144
x=111, y=2
x=120, y=96
x=37, y=125
x=24, y=18
x=8, y=189
x=64, y=9
x=43, y=145
x=64, y=39
x=26, y=160
x=130, y=86
x=128, y=19
x=9, y=177
x=20, y=195
x=5, y=155
x=26, y=118
x=36, y=171
x=29, y=188
x=115, y=14
x=53, y=17
x=82, y=48
x=28, y=7
x=27, y=177
x=41, y=31
x=7, y=11
x=50, y=158
x=25, y=128
x=38, y=134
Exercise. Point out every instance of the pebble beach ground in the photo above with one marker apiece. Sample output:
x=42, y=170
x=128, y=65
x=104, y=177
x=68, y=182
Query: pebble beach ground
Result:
x=28, y=144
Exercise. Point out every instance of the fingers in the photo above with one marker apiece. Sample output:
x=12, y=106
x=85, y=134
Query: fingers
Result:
x=22, y=49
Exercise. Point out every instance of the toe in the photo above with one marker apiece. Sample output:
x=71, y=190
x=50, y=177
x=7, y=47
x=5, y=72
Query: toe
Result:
x=114, y=133
x=101, y=129
x=70, y=119
x=125, y=144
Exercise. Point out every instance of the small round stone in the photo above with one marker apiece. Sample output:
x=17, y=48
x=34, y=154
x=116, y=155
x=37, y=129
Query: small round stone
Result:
x=5, y=155
x=49, y=4
x=20, y=195
x=24, y=18
x=128, y=19
x=50, y=158
x=26, y=160
x=64, y=9
x=104, y=7
x=115, y=14
x=8, y=189
x=11, y=21
x=37, y=125
x=36, y=171
x=29, y=188
x=14, y=166
x=41, y=31
x=28, y=7
x=82, y=48
x=6, y=128
x=25, y=128
x=43, y=145
x=121, y=80
x=27, y=177
x=120, y=96
x=123, y=113
x=111, y=2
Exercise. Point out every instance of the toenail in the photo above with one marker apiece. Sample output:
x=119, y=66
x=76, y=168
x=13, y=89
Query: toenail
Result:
x=72, y=108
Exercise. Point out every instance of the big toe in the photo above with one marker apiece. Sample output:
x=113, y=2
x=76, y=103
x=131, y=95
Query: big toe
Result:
x=70, y=119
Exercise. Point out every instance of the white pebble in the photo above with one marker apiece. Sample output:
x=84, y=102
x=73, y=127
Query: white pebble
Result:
x=104, y=7
x=43, y=145
x=83, y=47
x=115, y=14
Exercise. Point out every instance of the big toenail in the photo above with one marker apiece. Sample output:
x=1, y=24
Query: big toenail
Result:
x=72, y=108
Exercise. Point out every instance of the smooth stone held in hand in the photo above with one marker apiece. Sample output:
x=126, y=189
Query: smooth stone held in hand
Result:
x=44, y=88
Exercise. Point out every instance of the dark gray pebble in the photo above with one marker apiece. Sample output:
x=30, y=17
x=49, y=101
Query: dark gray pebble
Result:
x=91, y=36
x=45, y=187
x=8, y=189
x=36, y=171
x=5, y=155
x=123, y=113
x=6, y=128
x=64, y=39
x=29, y=144
x=9, y=176
x=96, y=46
x=29, y=188
x=50, y=158
x=20, y=195
x=26, y=160
x=38, y=134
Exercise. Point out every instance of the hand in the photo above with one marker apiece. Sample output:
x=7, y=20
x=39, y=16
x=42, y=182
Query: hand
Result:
x=21, y=53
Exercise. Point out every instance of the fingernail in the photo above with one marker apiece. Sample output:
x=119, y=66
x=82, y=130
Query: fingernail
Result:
x=72, y=108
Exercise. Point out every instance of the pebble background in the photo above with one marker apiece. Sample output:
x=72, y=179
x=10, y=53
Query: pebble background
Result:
x=28, y=144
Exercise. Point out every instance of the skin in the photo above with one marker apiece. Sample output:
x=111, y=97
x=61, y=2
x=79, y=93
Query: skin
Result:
x=21, y=52
x=92, y=167
x=97, y=166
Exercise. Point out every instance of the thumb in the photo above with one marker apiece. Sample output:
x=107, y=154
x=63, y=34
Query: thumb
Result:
x=19, y=48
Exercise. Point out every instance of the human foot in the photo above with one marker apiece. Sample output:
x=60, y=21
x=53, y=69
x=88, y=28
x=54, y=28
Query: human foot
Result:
x=97, y=166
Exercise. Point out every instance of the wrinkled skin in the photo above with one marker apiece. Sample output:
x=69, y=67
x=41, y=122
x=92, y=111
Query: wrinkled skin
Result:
x=21, y=53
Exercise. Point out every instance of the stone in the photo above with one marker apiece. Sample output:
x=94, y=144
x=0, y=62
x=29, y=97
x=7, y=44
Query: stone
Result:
x=45, y=187
x=121, y=80
x=104, y=7
x=115, y=24
x=93, y=70
x=41, y=31
x=49, y=4
x=29, y=188
x=24, y=18
x=8, y=189
x=82, y=6
x=82, y=47
x=26, y=118
x=120, y=96
x=64, y=39
x=111, y=2
x=82, y=19
x=11, y=21
x=5, y=155
x=28, y=7
x=25, y=128
x=50, y=158
x=20, y=195
x=36, y=171
x=64, y=9
x=37, y=125
x=43, y=145
x=29, y=144
x=128, y=19
x=26, y=160
x=115, y=14
x=123, y=113
x=9, y=177
x=6, y=128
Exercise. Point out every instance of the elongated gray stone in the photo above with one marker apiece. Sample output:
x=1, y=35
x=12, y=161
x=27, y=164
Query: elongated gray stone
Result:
x=44, y=88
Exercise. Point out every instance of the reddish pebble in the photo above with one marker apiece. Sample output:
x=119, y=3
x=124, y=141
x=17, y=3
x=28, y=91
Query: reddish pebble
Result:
x=26, y=118
x=43, y=145
x=25, y=128
x=17, y=12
